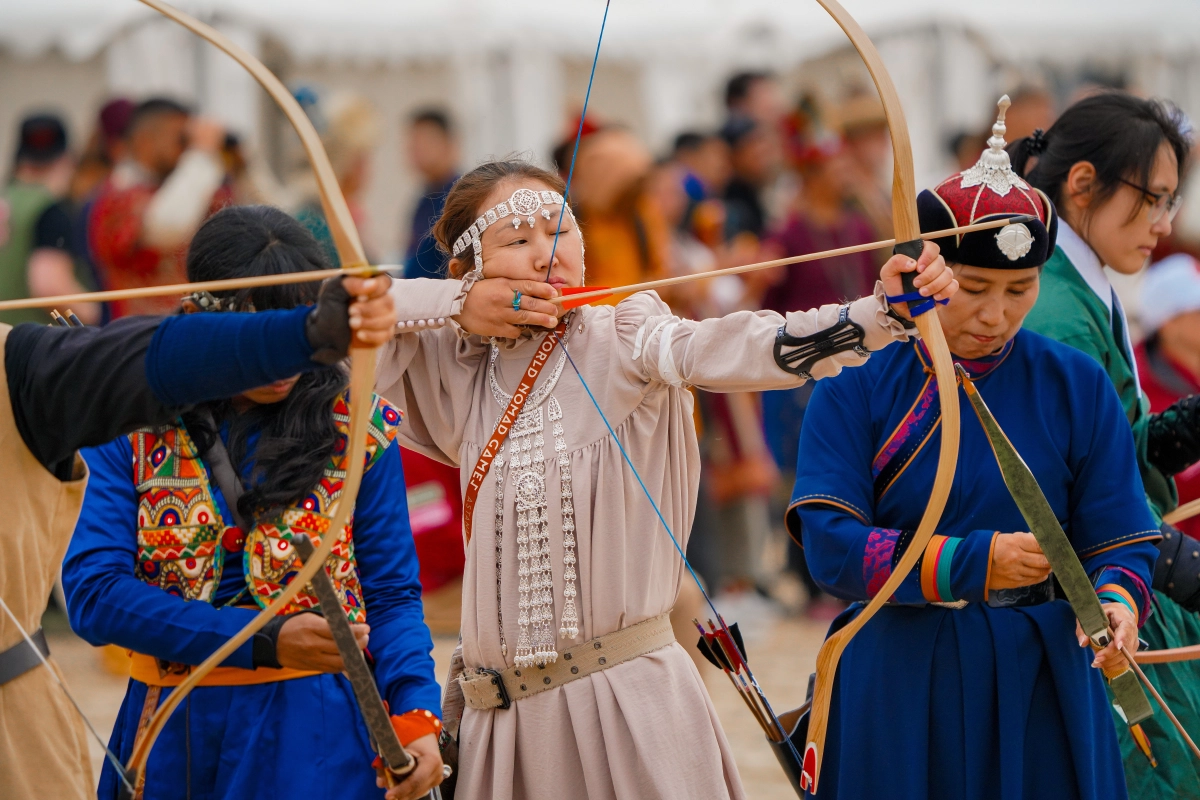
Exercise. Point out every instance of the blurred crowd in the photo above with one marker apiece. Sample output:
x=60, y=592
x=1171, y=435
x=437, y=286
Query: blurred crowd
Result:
x=779, y=177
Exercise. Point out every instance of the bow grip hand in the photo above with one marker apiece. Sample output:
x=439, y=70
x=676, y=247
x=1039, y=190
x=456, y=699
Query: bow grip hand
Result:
x=350, y=312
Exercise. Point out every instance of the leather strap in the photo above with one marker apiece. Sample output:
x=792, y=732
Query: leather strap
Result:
x=484, y=689
x=221, y=467
x=20, y=658
x=484, y=464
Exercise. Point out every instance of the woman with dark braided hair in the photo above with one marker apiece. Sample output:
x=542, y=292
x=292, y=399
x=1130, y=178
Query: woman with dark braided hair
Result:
x=1112, y=164
x=186, y=533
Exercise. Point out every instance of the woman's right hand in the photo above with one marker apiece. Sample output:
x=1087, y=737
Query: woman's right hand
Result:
x=1017, y=560
x=305, y=642
x=488, y=309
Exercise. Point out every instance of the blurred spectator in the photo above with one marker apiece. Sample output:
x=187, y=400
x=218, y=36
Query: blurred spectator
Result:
x=1032, y=108
x=433, y=153
x=104, y=149
x=167, y=183
x=564, y=152
x=667, y=192
x=864, y=129
x=36, y=254
x=434, y=499
x=708, y=168
x=349, y=128
x=754, y=162
x=755, y=96
x=823, y=219
x=627, y=238
x=965, y=147
x=1168, y=359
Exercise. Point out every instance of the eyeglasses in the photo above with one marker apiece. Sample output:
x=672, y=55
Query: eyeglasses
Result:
x=1161, y=204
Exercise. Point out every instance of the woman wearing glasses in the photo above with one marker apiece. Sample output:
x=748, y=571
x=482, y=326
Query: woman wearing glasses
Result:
x=1112, y=164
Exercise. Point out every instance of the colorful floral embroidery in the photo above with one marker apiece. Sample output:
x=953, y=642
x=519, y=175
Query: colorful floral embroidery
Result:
x=181, y=532
x=877, y=558
x=907, y=439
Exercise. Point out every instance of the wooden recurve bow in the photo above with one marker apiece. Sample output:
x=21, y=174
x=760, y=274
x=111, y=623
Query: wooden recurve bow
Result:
x=362, y=372
x=907, y=229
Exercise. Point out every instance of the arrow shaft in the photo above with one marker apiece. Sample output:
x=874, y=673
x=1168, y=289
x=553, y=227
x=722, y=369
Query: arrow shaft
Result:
x=782, y=262
x=227, y=285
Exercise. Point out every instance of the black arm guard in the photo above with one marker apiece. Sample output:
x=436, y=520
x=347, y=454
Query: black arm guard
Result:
x=806, y=351
x=1177, y=571
x=1173, y=436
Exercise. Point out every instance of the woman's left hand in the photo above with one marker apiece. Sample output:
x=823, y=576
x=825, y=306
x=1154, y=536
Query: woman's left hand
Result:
x=935, y=279
x=426, y=775
x=1125, y=631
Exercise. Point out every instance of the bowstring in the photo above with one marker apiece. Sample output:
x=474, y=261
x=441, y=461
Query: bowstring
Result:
x=578, y=137
x=553, y=249
x=612, y=432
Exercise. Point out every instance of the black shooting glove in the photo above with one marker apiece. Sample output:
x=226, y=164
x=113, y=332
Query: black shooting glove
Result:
x=328, y=326
x=1173, y=436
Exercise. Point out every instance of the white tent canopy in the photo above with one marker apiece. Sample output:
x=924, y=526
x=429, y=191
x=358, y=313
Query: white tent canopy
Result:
x=398, y=29
x=512, y=72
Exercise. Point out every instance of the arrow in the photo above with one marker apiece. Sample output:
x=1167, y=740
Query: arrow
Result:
x=582, y=295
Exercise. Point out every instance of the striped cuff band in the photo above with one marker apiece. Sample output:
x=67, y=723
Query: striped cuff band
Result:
x=1115, y=593
x=935, y=569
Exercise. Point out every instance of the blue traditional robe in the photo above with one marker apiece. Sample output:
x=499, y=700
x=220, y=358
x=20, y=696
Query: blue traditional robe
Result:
x=972, y=702
x=294, y=738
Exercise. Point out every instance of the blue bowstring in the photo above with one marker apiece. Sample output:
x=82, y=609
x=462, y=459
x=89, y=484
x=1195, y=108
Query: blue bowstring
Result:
x=562, y=211
x=578, y=137
x=637, y=475
x=624, y=454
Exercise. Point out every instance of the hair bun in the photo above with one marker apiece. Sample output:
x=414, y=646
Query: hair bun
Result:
x=1037, y=142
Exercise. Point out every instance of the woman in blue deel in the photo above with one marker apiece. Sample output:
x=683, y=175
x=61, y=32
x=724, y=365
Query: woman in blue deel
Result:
x=972, y=682
x=167, y=564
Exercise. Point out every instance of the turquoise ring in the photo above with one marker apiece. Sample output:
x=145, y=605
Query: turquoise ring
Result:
x=516, y=304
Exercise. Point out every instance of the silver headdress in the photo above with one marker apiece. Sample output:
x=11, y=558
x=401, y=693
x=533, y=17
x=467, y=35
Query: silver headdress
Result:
x=524, y=203
x=994, y=170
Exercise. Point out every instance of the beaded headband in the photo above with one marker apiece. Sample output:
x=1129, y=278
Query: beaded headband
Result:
x=523, y=203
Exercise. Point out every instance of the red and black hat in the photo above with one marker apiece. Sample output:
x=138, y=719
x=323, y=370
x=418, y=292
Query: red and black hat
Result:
x=987, y=191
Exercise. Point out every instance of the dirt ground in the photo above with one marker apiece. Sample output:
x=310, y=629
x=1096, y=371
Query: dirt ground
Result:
x=782, y=654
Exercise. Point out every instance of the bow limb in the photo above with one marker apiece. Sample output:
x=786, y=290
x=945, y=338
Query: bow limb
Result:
x=362, y=372
x=1183, y=512
x=907, y=229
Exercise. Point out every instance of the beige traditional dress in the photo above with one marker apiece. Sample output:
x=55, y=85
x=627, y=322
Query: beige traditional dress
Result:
x=646, y=728
x=43, y=744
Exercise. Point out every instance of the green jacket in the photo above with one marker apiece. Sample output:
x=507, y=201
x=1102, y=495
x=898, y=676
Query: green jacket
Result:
x=24, y=204
x=1068, y=311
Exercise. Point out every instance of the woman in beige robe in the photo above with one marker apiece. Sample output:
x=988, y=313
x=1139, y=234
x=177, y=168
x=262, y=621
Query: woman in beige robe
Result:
x=644, y=728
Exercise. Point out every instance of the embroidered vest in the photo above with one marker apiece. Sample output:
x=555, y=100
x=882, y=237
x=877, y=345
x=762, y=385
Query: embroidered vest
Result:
x=183, y=541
